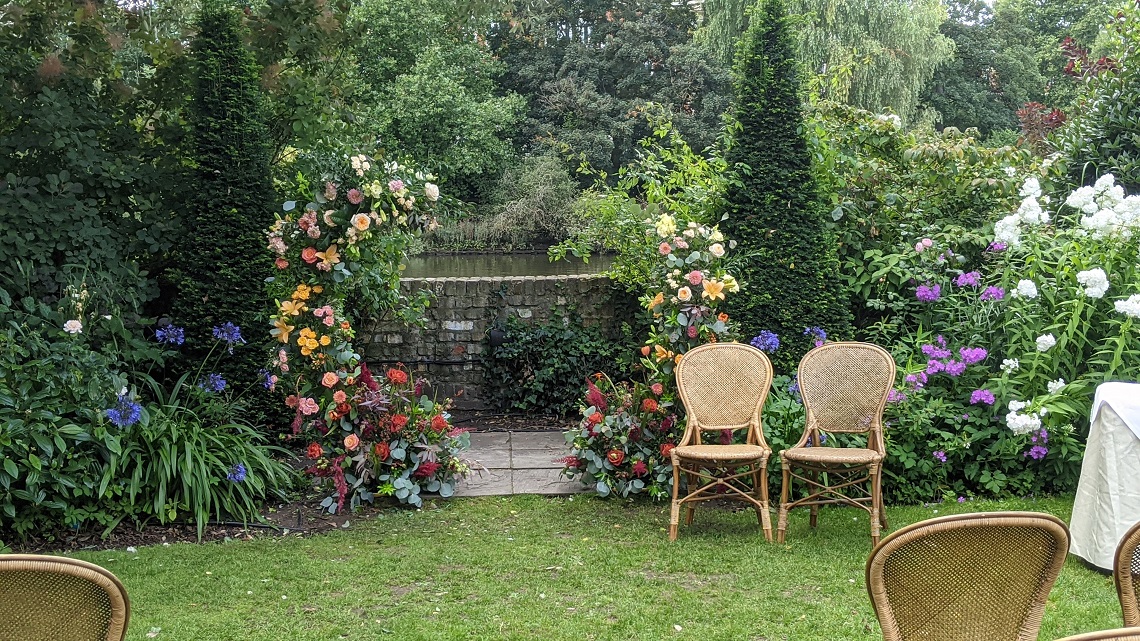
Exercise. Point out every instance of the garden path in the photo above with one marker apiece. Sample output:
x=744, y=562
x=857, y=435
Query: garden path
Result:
x=516, y=463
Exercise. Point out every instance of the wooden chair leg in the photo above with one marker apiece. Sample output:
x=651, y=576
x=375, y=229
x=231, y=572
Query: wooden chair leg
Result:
x=814, y=521
x=691, y=508
x=675, y=507
x=765, y=515
x=876, y=502
x=782, y=521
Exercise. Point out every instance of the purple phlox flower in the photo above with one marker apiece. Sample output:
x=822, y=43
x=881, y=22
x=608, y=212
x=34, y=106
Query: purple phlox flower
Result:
x=1037, y=452
x=971, y=355
x=934, y=367
x=965, y=417
x=794, y=388
x=212, y=383
x=981, y=397
x=968, y=279
x=954, y=368
x=940, y=456
x=817, y=333
x=237, y=473
x=992, y=293
x=916, y=381
x=934, y=351
x=170, y=335
x=895, y=396
x=229, y=333
x=766, y=341
x=996, y=247
x=1041, y=436
x=961, y=499
x=928, y=293
x=125, y=412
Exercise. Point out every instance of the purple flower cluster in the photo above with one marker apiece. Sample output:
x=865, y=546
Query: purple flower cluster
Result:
x=996, y=247
x=928, y=293
x=237, y=473
x=817, y=333
x=895, y=396
x=766, y=341
x=981, y=397
x=968, y=279
x=940, y=456
x=229, y=333
x=916, y=381
x=125, y=412
x=992, y=293
x=170, y=335
x=1039, y=440
x=972, y=355
x=212, y=383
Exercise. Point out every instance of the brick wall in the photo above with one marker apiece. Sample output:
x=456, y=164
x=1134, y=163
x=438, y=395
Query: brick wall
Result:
x=449, y=349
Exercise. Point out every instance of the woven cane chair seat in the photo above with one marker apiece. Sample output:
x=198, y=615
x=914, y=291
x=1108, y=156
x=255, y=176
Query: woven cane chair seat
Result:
x=47, y=598
x=967, y=577
x=1126, y=571
x=712, y=453
x=723, y=387
x=833, y=455
x=1119, y=634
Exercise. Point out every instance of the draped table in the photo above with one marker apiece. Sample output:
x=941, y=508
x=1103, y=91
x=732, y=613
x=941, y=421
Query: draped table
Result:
x=1108, y=495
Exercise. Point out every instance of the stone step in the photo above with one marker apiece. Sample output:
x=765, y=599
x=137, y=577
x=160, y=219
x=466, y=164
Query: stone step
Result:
x=505, y=463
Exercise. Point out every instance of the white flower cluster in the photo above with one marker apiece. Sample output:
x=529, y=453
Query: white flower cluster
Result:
x=1008, y=229
x=1056, y=386
x=891, y=120
x=1019, y=423
x=1046, y=342
x=1130, y=306
x=1025, y=289
x=1095, y=282
x=1010, y=365
x=1107, y=210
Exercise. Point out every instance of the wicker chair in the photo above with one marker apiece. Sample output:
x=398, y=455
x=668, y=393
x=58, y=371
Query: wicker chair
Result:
x=1119, y=634
x=49, y=598
x=723, y=387
x=968, y=577
x=1126, y=570
x=844, y=388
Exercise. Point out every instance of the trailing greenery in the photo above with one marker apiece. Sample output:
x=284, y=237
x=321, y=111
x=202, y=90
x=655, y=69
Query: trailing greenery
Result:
x=541, y=367
x=789, y=266
x=222, y=260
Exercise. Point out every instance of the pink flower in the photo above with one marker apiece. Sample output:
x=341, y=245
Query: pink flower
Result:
x=309, y=255
x=692, y=331
x=918, y=248
x=330, y=379
x=330, y=191
x=395, y=185
x=308, y=406
x=695, y=277
x=665, y=249
x=657, y=388
x=640, y=469
x=927, y=243
x=281, y=263
x=351, y=442
x=355, y=196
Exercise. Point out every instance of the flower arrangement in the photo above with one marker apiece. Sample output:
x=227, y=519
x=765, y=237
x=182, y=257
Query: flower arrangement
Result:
x=351, y=239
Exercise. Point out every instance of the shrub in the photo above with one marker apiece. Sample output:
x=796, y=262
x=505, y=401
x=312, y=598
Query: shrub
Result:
x=789, y=262
x=534, y=203
x=222, y=262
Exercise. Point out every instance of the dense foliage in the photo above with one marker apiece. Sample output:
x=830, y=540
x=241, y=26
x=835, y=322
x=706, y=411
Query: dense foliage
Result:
x=789, y=266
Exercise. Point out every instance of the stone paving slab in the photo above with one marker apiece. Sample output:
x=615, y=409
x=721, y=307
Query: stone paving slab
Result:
x=517, y=463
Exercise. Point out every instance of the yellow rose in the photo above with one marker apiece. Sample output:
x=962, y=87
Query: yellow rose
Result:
x=325, y=340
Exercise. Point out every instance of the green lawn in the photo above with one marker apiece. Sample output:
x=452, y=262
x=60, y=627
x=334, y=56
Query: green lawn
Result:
x=547, y=568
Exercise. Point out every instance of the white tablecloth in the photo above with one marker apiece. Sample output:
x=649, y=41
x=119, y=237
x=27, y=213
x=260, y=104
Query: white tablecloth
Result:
x=1108, y=495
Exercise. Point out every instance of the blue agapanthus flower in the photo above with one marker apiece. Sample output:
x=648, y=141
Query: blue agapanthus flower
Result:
x=766, y=341
x=170, y=335
x=125, y=412
x=212, y=383
x=237, y=473
x=229, y=333
x=266, y=378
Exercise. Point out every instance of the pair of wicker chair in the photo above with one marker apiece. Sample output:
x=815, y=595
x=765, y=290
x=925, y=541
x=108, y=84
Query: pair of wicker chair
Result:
x=723, y=386
x=984, y=577
x=49, y=598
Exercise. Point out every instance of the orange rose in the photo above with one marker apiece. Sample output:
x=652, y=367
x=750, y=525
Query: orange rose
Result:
x=667, y=449
x=315, y=451
x=595, y=418
x=351, y=442
x=339, y=397
x=382, y=450
x=330, y=379
x=309, y=255
x=615, y=457
x=722, y=317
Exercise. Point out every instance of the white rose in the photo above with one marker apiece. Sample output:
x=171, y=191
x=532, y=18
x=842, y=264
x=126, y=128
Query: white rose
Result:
x=73, y=327
x=716, y=249
x=1046, y=342
x=684, y=294
x=431, y=190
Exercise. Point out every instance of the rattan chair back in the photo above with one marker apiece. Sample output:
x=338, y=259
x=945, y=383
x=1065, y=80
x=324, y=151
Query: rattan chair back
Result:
x=844, y=386
x=968, y=577
x=724, y=386
x=1119, y=634
x=1126, y=571
x=48, y=598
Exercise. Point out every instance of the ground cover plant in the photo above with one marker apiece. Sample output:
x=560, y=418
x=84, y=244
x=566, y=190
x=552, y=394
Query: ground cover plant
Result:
x=534, y=567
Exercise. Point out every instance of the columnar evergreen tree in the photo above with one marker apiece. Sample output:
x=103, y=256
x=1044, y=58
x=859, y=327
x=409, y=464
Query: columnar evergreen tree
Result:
x=222, y=261
x=790, y=269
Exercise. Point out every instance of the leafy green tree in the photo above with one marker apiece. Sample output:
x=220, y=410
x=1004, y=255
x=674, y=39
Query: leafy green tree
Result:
x=790, y=268
x=222, y=261
x=588, y=67
x=874, y=54
x=430, y=82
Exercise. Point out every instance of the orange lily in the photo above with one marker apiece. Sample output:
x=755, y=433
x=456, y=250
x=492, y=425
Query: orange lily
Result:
x=281, y=330
x=713, y=290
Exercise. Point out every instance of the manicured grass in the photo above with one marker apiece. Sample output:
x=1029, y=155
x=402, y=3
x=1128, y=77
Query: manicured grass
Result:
x=547, y=568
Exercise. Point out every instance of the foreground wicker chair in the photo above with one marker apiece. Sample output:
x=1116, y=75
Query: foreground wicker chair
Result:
x=1119, y=634
x=49, y=598
x=968, y=577
x=1126, y=571
x=723, y=387
x=844, y=388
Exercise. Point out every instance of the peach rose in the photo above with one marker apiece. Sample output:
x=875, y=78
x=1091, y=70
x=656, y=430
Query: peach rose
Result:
x=351, y=442
x=309, y=255
x=330, y=379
